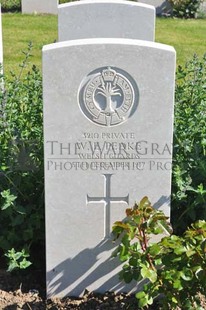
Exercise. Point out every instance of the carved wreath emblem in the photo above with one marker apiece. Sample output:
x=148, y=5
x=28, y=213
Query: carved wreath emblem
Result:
x=108, y=97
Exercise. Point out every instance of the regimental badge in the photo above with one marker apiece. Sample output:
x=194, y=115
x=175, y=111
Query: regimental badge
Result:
x=108, y=96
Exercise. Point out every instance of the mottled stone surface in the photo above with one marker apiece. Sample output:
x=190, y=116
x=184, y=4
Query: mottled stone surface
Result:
x=106, y=19
x=39, y=6
x=108, y=120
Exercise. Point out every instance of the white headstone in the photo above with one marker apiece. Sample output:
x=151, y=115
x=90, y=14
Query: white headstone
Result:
x=39, y=6
x=106, y=19
x=108, y=119
x=1, y=40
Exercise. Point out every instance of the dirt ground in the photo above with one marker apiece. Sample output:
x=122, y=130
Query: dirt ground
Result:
x=17, y=300
x=28, y=292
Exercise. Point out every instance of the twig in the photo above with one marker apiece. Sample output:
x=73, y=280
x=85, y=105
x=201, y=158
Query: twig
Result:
x=28, y=306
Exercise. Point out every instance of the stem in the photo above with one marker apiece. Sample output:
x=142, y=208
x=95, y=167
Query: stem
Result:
x=144, y=246
x=145, y=240
x=150, y=261
x=140, y=239
x=27, y=55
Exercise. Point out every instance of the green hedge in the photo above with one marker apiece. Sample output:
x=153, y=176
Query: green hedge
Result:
x=21, y=162
x=189, y=148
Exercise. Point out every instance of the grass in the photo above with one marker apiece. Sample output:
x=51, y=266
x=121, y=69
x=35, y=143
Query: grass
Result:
x=187, y=36
x=19, y=30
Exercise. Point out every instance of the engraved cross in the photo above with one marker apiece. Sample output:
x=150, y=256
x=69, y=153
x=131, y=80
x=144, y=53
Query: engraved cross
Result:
x=107, y=200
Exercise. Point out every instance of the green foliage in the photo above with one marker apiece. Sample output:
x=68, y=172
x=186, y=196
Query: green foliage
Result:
x=185, y=8
x=65, y=1
x=189, y=147
x=17, y=260
x=21, y=161
x=174, y=268
x=10, y=5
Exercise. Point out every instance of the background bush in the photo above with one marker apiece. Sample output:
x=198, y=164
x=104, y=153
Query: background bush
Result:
x=21, y=162
x=185, y=8
x=10, y=5
x=189, y=150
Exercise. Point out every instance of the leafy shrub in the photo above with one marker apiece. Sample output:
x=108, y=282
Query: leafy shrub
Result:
x=10, y=5
x=189, y=147
x=185, y=8
x=174, y=268
x=21, y=161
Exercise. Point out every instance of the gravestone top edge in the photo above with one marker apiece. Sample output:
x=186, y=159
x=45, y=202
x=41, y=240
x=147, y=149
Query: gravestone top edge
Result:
x=111, y=41
x=122, y=2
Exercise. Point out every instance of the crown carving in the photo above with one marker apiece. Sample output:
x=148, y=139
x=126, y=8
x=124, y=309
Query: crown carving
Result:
x=108, y=74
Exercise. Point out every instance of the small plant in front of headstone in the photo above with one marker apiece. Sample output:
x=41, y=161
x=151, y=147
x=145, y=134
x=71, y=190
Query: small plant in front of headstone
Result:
x=174, y=269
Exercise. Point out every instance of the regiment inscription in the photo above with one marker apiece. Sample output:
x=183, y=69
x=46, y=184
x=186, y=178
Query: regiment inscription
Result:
x=108, y=96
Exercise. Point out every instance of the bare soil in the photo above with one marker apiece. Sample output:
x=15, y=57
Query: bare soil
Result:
x=27, y=291
x=17, y=300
